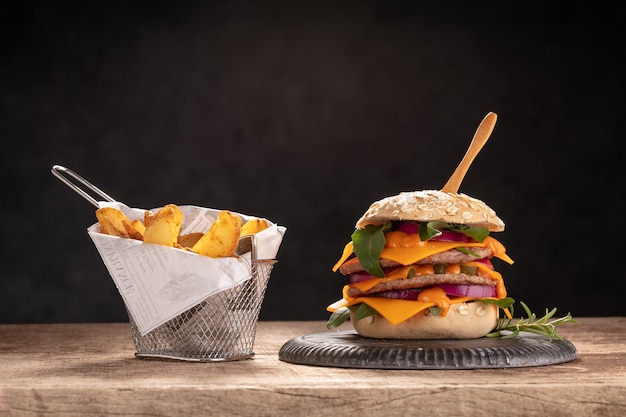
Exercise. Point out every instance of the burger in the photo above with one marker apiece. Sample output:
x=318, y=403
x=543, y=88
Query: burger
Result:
x=419, y=266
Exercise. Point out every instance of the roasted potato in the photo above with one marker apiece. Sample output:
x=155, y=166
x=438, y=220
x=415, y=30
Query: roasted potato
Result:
x=164, y=227
x=190, y=239
x=222, y=238
x=112, y=221
x=147, y=217
x=253, y=226
x=135, y=229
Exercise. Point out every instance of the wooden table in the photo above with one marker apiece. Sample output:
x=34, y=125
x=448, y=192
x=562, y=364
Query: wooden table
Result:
x=90, y=369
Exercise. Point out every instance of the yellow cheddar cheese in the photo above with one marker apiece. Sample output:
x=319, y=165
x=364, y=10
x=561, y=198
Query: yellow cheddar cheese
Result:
x=394, y=310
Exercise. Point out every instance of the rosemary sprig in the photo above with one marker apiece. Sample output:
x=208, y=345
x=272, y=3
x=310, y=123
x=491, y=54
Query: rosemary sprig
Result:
x=545, y=326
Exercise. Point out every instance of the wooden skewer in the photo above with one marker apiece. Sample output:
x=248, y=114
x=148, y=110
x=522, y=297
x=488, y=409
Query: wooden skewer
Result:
x=478, y=141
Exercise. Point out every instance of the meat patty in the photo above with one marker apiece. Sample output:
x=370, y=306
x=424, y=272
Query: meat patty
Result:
x=451, y=256
x=424, y=281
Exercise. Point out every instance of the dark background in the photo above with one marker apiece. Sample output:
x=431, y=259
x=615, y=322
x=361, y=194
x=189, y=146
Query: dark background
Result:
x=305, y=113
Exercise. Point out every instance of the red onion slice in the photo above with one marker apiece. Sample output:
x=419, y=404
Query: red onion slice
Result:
x=475, y=291
x=448, y=236
x=445, y=236
x=360, y=277
x=408, y=227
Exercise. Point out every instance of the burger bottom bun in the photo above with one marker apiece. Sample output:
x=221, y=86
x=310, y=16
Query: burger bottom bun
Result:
x=463, y=321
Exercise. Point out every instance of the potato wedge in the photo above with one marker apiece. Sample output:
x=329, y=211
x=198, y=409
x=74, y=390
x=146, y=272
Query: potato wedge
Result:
x=164, y=228
x=190, y=239
x=135, y=229
x=222, y=238
x=253, y=226
x=112, y=221
x=106, y=227
x=139, y=226
x=147, y=217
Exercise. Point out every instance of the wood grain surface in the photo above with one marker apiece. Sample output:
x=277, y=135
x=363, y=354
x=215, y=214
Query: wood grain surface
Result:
x=90, y=369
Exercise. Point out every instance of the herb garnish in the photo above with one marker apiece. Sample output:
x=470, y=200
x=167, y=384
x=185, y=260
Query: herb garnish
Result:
x=544, y=326
x=431, y=229
x=368, y=244
x=341, y=315
x=363, y=311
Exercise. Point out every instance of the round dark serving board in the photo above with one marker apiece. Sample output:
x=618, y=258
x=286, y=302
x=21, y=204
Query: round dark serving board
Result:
x=347, y=349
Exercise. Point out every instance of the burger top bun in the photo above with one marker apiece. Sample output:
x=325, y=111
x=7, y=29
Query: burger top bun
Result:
x=463, y=321
x=432, y=205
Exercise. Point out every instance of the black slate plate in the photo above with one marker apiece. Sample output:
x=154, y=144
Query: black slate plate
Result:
x=347, y=349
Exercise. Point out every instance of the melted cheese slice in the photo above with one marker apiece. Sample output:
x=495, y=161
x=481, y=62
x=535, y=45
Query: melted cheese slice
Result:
x=394, y=310
x=408, y=256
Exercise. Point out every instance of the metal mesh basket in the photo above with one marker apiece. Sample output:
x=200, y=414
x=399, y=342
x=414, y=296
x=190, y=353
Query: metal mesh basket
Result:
x=220, y=328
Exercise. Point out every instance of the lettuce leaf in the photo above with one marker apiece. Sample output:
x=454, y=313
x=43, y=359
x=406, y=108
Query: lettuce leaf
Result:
x=368, y=245
x=431, y=229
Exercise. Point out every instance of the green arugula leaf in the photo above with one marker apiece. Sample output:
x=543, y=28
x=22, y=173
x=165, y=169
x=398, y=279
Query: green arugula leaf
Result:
x=339, y=316
x=368, y=244
x=468, y=252
x=364, y=311
x=479, y=233
x=431, y=229
x=505, y=302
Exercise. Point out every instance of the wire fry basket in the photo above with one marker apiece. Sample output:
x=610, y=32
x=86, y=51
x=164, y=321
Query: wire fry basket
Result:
x=220, y=328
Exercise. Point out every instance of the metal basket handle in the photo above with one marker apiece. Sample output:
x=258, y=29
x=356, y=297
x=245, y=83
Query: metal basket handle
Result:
x=246, y=243
x=61, y=173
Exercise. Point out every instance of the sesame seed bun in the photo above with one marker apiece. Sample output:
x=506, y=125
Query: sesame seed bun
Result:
x=464, y=321
x=432, y=205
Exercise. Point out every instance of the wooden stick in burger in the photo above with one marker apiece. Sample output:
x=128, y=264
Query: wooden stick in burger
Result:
x=419, y=265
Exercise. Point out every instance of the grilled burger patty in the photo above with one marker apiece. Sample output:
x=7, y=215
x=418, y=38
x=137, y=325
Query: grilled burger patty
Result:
x=423, y=281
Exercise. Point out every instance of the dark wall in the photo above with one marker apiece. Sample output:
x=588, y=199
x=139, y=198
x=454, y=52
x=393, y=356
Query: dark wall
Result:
x=305, y=113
